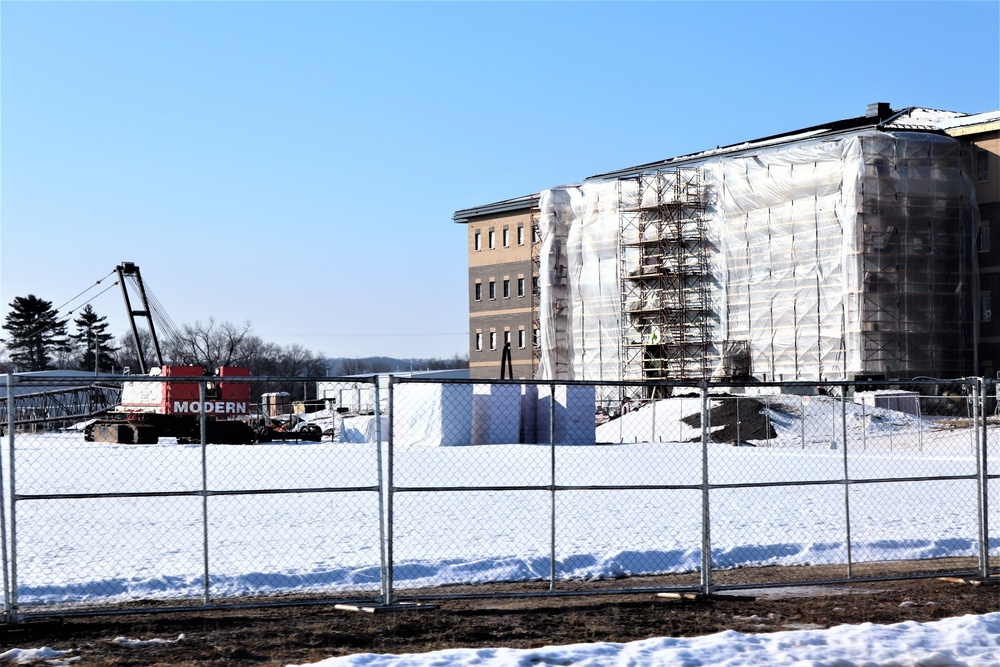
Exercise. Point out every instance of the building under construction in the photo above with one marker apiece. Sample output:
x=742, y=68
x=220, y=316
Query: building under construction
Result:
x=840, y=251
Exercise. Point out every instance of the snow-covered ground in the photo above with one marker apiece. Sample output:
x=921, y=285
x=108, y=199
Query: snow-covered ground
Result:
x=969, y=641
x=325, y=536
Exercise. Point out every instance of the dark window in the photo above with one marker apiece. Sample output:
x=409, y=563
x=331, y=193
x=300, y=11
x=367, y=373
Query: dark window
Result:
x=520, y=286
x=506, y=289
x=982, y=166
x=479, y=291
x=493, y=290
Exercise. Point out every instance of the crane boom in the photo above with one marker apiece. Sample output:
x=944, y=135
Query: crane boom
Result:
x=130, y=270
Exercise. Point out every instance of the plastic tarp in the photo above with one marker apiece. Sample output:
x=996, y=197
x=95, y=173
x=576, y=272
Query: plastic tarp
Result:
x=824, y=259
x=496, y=414
x=362, y=429
x=432, y=415
x=574, y=409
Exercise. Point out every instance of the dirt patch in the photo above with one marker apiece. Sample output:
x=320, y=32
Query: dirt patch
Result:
x=735, y=421
x=298, y=634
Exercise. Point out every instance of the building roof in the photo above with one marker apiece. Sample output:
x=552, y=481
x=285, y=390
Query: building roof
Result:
x=878, y=115
x=972, y=124
x=465, y=215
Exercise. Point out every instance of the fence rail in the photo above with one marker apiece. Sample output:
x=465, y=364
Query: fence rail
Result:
x=422, y=490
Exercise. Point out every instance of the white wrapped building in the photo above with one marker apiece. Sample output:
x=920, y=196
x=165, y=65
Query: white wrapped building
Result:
x=832, y=253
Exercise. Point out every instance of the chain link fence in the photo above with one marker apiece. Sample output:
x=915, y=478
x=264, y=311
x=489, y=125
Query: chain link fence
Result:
x=404, y=490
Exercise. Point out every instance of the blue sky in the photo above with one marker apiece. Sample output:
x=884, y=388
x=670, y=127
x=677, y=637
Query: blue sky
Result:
x=297, y=164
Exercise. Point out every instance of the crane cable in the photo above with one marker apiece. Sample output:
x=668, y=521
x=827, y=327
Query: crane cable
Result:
x=66, y=318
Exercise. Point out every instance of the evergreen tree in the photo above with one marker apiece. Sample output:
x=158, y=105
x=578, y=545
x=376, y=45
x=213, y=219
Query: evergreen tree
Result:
x=91, y=332
x=35, y=333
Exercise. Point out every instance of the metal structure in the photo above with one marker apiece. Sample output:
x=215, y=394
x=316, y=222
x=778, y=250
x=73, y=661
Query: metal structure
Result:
x=213, y=522
x=535, y=289
x=665, y=274
x=131, y=271
x=914, y=251
x=51, y=408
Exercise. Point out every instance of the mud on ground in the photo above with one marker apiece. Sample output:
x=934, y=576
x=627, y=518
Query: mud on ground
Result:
x=301, y=634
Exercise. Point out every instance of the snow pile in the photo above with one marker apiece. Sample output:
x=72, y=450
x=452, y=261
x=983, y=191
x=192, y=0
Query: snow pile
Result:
x=970, y=641
x=29, y=656
x=136, y=643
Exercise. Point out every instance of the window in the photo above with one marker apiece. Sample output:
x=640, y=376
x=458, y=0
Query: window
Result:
x=506, y=288
x=493, y=290
x=982, y=166
x=984, y=237
x=506, y=338
x=520, y=287
x=520, y=235
x=534, y=284
x=536, y=338
x=479, y=291
x=479, y=341
x=506, y=237
x=987, y=311
x=492, y=239
x=493, y=340
x=520, y=338
x=536, y=236
x=478, y=241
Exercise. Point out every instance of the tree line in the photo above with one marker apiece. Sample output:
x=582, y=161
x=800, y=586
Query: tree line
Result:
x=39, y=339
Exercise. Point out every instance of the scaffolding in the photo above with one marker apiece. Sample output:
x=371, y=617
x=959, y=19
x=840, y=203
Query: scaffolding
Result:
x=535, y=291
x=666, y=273
x=915, y=243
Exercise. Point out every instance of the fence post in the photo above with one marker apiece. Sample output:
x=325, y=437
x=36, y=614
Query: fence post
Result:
x=203, y=428
x=738, y=440
x=706, y=518
x=982, y=476
x=802, y=420
x=388, y=597
x=552, y=487
x=847, y=480
x=652, y=432
x=383, y=564
x=12, y=409
x=7, y=608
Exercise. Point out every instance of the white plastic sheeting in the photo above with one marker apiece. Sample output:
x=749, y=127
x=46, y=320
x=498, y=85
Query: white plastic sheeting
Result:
x=574, y=414
x=432, y=415
x=496, y=414
x=454, y=415
x=362, y=429
x=827, y=259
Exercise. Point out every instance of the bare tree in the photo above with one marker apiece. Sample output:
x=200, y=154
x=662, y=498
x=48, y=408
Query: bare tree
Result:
x=211, y=345
x=125, y=356
x=365, y=366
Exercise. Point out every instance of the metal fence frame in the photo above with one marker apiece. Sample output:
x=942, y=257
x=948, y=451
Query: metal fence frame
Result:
x=977, y=395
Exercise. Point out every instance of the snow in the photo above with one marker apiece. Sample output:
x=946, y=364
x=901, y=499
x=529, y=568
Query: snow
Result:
x=27, y=656
x=156, y=641
x=970, y=641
